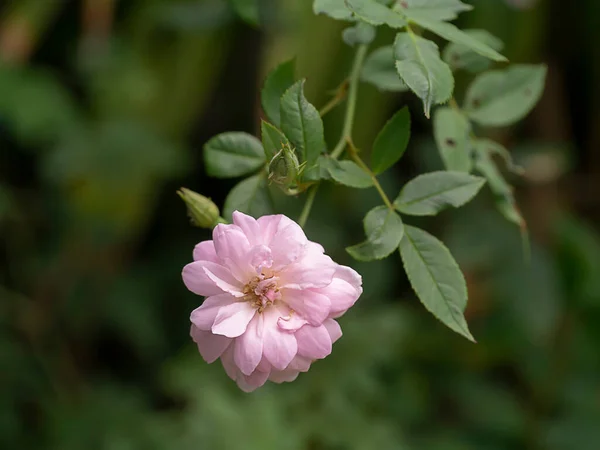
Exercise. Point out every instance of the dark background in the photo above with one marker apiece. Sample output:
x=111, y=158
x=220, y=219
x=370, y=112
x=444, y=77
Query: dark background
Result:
x=104, y=108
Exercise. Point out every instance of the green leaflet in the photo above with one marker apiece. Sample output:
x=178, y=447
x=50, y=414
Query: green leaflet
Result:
x=391, y=142
x=384, y=230
x=436, y=278
x=503, y=97
x=419, y=65
x=435, y=9
x=248, y=10
x=233, y=154
x=348, y=173
x=302, y=124
x=428, y=194
x=250, y=196
x=451, y=130
x=361, y=33
x=335, y=9
x=380, y=71
x=277, y=82
x=459, y=56
x=453, y=34
x=375, y=13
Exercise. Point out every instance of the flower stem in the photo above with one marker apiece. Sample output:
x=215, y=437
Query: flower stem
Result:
x=340, y=95
x=346, y=136
x=357, y=159
x=310, y=199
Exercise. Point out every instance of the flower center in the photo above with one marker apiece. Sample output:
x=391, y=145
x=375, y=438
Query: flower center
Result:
x=262, y=292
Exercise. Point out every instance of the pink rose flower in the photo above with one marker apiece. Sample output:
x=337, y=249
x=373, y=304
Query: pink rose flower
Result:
x=272, y=297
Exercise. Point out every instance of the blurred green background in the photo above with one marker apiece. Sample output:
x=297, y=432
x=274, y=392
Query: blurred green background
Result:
x=104, y=108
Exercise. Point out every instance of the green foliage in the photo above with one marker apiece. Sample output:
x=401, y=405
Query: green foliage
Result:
x=302, y=124
x=348, y=173
x=384, y=230
x=247, y=10
x=250, y=196
x=335, y=9
x=276, y=84
x=502, y=97
x=452, y=135
x=428, y=194
x=273, y=140
x=391, y=142
x=380, y=71
x=373, y=12
x=420, y=67
x=460, y=56
x=436, y=278
x=435, y=9
x=361, y=33
x=233, y=154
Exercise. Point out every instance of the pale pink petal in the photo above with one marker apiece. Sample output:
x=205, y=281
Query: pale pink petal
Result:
x=288, y=244
x=311, y=305
x=248, y=348
x=252, y=382
x=210, y=346
x=197, y=280
x=250, y=227
x=220, y=277
x=268, y=227
x=300, y=363
x=291, y=322
x=232, y=320
x=283, y=376
x=204, y=316
x=232, y=247
x=334, y=329
x=264, y=365
x=313, y=270
x=343, y=291
x=231, y=369
x=260, y=258
x=313, y=342
x=279, y=347
x=205, y=251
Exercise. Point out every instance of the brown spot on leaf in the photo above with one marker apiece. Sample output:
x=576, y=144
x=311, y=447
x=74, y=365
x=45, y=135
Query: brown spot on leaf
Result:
x=450, y=142
x=404, y=4
x=527, y=92
x=476, y=103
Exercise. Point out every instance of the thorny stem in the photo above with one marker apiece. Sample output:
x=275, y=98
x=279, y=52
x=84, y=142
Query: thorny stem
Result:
x=310, y=199
x=351, y=103
x=346, y=136
x=340, y=94
x=357, y=159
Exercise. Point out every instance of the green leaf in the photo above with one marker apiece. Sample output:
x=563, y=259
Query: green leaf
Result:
x=384, y=230
x=451, y=130
x=250, y=196
x=248, y=10
x=233, y=154
x=273, y=140
x=419, y=65
x=428, y=194
x=435, y=9
x=361, y=33
x=277, y=82
x=375, y=13
x=391, y=142
x=302, y=124
x=348, y=173
x=503, y=97
x=436, y=278
x=453, y=34
x=380, y=71
x=335, y=9
x=459, y=56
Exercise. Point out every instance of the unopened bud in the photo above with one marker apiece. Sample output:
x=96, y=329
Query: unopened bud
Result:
x=202, y=211
x=284, y=168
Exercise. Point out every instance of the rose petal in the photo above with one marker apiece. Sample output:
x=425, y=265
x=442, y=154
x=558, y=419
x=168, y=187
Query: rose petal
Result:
x=220, y=277
x=283, y=376
x=232, y=320
x=232, y=247
x=300, y=363
x=250, y=228
x=279, y=347
x=252, y=382
x=205, y=251
x=334, y=329
x=196, y=279
x=210, y=346
x=204, y=316
x=312, y=306
x=268, y=227
x=291, y=323
x=313, y=342
x=288, y=244
x=248, y=348
x=313, y=270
